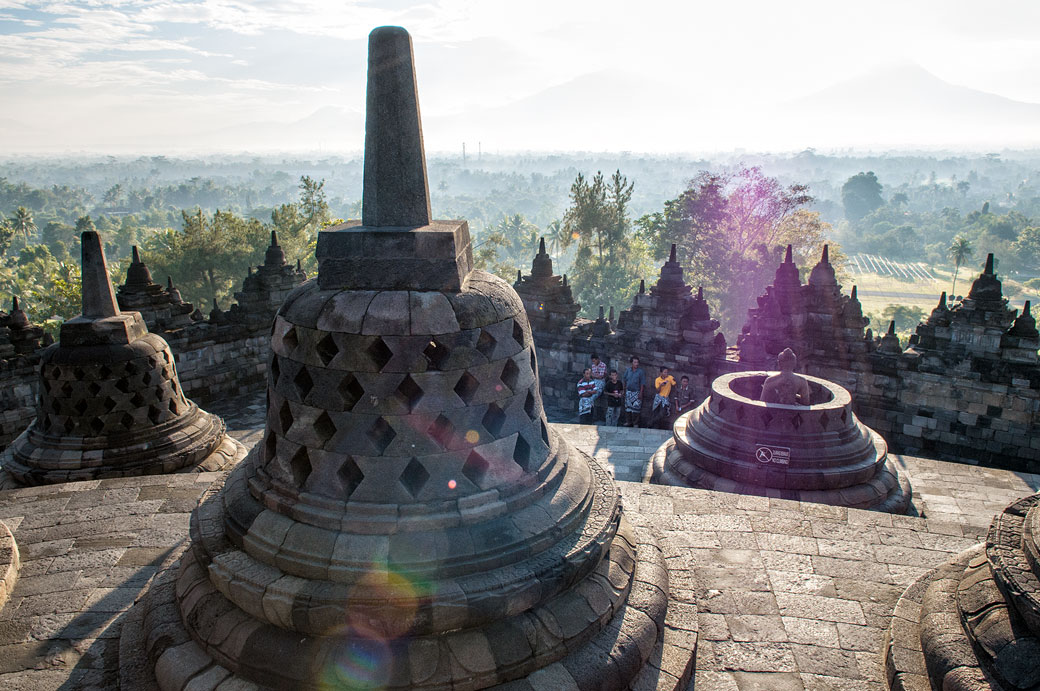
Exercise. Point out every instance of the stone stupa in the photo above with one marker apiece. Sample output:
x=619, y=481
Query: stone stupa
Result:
x=973, y=623
x=813, y=450
x=409, y=520
x=110, y=403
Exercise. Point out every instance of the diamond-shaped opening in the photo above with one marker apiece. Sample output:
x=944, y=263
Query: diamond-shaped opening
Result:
x=147, y=379
x=545, y=434
x=476, y=468
x=152, y=362
x=493, y=419
x=137, y=400
x=131, y=369
x=270, y=447
x=466, y=387
x=127, y=421
x=380, y=353
x=154, y=414
x=350, y=475
x=285, y=417
x=67, y=389
x=327, y=349
x=81, y=406
x=351, y=392
x=104, y=372
x=381, y=434
x=522, y=452
x=47, y=423
x=414, y=477
x=486, y=343
x=796, y=421
x=518, y=333
x=510, y=374
x=110, y=404
x=69, y=425
x=435, y=354
x=96, y=425
x=175, y=407
x=276, y=369
x=123, y=385
x=529, y=405
x=94, y=388
x=534, y=362
x=160, y=392
x=324, y=427
x=441, y=431
x=55, y=406
x=78, y=374
x=300, y=465
x=409, y=392
x=824, y=420
x=291, y=339
x=56, y=373
x=844, y=416
x=303, y=382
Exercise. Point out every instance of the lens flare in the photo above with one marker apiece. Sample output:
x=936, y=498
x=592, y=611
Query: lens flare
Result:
x=472, y=436
x=452, y=484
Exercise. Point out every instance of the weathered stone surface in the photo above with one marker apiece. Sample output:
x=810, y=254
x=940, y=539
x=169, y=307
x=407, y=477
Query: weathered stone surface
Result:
x=110, y=403
x=818, y=452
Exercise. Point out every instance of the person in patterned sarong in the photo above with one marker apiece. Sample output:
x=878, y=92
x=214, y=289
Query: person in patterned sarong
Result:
x=635, y=382
x=586, y=395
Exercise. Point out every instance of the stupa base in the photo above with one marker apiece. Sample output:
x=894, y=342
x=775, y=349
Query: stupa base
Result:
x=637, y=649
x=888, y=491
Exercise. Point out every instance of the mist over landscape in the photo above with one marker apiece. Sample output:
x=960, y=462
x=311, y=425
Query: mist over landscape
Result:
x=191, y=130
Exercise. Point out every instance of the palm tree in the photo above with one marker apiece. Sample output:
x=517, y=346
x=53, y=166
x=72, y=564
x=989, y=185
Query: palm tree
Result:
x=558, y=237
x=23, y=223
x=959, y=251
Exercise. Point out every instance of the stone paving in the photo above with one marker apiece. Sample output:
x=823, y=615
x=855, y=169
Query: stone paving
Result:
x=785, y=595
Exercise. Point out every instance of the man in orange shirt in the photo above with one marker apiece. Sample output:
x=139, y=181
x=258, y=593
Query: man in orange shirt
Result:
x=662, y=403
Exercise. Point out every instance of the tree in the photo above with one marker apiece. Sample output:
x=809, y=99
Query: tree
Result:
x=23, y=223
x=610, y=259
x=6, y=234
x=959, y=251
x=906, y=317
x=860, y=195
x=558, y=238
x=730, y=231
x=208, y=256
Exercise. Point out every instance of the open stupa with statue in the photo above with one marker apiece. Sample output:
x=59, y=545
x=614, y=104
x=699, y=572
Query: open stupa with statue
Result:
x=409, y=521
x=785, y=435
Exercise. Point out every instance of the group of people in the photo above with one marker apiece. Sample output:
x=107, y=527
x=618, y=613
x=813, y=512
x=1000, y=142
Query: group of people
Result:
x=624, y=393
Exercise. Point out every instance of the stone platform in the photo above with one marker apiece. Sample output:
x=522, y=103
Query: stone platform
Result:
x=779, y=594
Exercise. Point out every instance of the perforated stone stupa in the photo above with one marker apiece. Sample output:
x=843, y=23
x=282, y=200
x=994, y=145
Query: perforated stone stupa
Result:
x=409, y=520
x=110, y=403
x=820, y=452
x=973, y=623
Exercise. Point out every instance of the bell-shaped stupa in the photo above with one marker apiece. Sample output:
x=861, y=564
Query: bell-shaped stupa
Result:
x=409, y=521
x=110, y=403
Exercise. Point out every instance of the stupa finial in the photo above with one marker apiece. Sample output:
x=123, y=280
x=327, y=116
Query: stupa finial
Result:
x=788, y=258
x=396, y=190
x=99, y=299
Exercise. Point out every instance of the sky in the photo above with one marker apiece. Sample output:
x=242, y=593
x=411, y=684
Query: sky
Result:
x=227, y=75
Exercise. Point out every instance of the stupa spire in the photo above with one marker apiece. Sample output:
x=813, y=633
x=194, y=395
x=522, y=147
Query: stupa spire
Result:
x=99, y=299
x=396, y=190
x=788, y=258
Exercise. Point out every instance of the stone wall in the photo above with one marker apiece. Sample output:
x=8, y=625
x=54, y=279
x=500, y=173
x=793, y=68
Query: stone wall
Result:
x=966, y=389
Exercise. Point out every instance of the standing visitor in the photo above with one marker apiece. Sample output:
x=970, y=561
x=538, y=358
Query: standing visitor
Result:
x=586, y=394
x=614, y=390
x=662, y=402
x=635, y=382
x=599, y=374
x=683, y=396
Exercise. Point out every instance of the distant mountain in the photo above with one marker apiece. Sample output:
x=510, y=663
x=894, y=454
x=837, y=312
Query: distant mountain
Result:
x=904, y=104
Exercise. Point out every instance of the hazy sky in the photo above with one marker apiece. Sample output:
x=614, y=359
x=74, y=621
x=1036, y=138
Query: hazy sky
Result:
x=167, y=75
